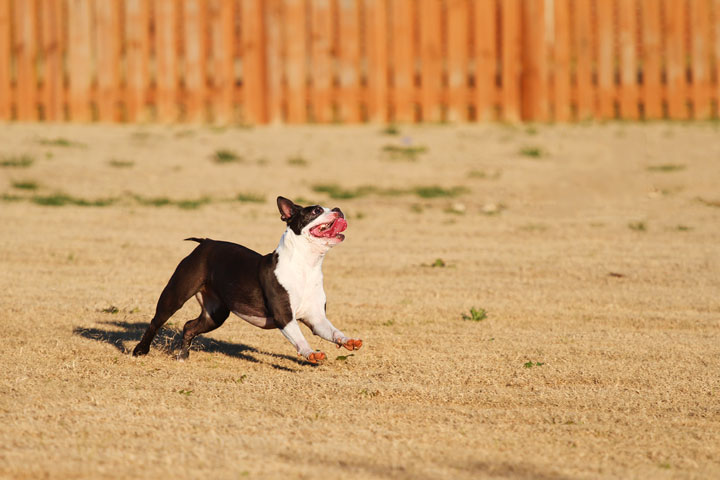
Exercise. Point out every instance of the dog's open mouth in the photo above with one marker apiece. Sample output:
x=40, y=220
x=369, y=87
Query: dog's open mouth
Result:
x=330, y=230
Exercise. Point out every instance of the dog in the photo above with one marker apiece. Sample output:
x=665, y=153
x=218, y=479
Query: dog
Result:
x=276, y=290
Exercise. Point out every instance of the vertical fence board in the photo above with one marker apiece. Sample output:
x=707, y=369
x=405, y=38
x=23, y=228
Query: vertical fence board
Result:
x=430, y=14
x=52, y=98
x=166, y=74
x=561, y=62
x=194, y=14
x=295, y=60
x=349, y=61
x=137, y=47
x=606, y=60
x=510, y=41
x=26, y=51
x=402, y=62
x=253, y=61
x=534, y=73
x=583, y=60
x=628, y=62
x=273, y=59
x=716, y=56
x=5, y=60
x=221, y=24
x=700, y=41
x=485, y=59
x=377, y=53
x=79, y=56
x=107, y=33
x=651, y=74
x=457, y=59
x=675, y=59
x=321, y=57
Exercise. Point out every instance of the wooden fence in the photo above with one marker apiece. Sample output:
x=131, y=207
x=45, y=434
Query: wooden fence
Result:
x=347, y=61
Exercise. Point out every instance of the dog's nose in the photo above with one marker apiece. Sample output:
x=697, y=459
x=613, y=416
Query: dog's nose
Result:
x=336, y=209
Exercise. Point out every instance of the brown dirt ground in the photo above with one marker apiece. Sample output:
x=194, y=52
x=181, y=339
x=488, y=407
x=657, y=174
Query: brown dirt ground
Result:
x=624, y=321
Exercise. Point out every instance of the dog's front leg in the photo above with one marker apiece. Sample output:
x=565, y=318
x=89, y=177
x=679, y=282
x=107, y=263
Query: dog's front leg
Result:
x=292, y=332
x=321, y=326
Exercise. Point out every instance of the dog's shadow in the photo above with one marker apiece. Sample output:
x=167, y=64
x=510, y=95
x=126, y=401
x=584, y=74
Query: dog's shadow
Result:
x=168, y=341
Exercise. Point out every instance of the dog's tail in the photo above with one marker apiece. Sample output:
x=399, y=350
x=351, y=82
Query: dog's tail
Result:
x=195, y=239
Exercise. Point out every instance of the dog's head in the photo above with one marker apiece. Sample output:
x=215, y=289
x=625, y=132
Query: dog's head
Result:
x=318, y=225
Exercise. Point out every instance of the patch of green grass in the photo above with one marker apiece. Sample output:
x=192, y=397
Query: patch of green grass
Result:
x=343, y=358
x=112, y=309
x=439, y=262
x=117, y=163
x=25, y=185
x=59, y=142
x=187, y=393
x=683, y=228
x=250, y=198
x=242, y=379
x=6, y=197
x=665, y=168
x=21, y=161
x=533, y=364
x=482, y=174
x=305, y=201
x=476, y=315
x=152, y=201
x=60, y=199
x=186, y=204
x=434, y=191
x=709, y=203
x=226, y=156
x=389, y=323
x=336, y=191
x=391, y=129
x=531, y=130
x=297, y=161
x=192, y=204
x=534, y=152
x=408, y=153
x=638, y=226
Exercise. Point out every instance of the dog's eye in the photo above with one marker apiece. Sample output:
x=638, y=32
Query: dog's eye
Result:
x=318, y=210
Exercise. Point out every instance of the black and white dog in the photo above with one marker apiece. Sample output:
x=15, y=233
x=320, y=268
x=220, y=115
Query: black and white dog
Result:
x=272, y=291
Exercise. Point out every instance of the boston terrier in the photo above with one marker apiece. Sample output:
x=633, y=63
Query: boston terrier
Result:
x=269, y=291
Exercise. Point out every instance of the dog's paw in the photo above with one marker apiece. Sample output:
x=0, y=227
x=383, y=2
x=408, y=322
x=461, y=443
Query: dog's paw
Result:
x=350, y=343
x=140, y=350
x=315, y=357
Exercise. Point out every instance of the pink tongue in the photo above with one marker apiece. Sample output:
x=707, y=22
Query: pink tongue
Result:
x=339, y=226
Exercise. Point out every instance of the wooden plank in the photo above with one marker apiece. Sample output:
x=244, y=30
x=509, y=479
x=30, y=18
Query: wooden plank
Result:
x=349, y=60
x=485, y=59
x=166, y=76
x=675, y=59
x=5, y=60
x=25, y=56
x=561, y=62
x=534, y=67
x=651, y=92
x=716, y=56
x=107, y=33
x=402, y=60
x=79, y=59
x=701, y=42
x=295, y=29
x=137, y=52
x=431, y=57
x=457, y=59
x=52, y=98
x=511, y=60
x=627, y=14
x=606, y=60
x=376, y=28
x=583, y=60
x=253, y=61
x=321, y=57
x=273, y=59
x=194, y=19
x=221, y=24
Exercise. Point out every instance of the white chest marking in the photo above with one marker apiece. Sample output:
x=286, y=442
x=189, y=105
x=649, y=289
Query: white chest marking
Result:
x=299, y=271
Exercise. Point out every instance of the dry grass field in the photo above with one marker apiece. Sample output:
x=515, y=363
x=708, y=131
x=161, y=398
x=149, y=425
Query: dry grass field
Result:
x=592, y=251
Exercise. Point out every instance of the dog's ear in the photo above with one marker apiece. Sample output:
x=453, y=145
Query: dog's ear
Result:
x=287, y=208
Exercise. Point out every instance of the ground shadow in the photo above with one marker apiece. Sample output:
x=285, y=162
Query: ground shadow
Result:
x=169, y=341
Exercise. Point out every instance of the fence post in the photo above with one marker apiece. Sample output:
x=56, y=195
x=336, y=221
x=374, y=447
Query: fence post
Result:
x=583, y=59
x=675, y=58
x=561, y=62
x=377, y=51
x=107, y=33
x=5, y=92
x=700, y=41
x=194, y=15
x=403, y=59
x=652, y=93
x=628, y=64
x=510, y=24
x=138, y=44
x=253, y=61
x=485, y=59
x=457, y=59
x=166, y=60
x=606, y=56
x=321, y=58
x=79, y=55
x=349, y=60
x=26, y=51
x=53, y=91
x=534, y=54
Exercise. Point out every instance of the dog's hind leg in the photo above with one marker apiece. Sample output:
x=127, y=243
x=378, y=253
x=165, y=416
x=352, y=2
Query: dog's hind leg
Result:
x=187, y=280
x=213, y=314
